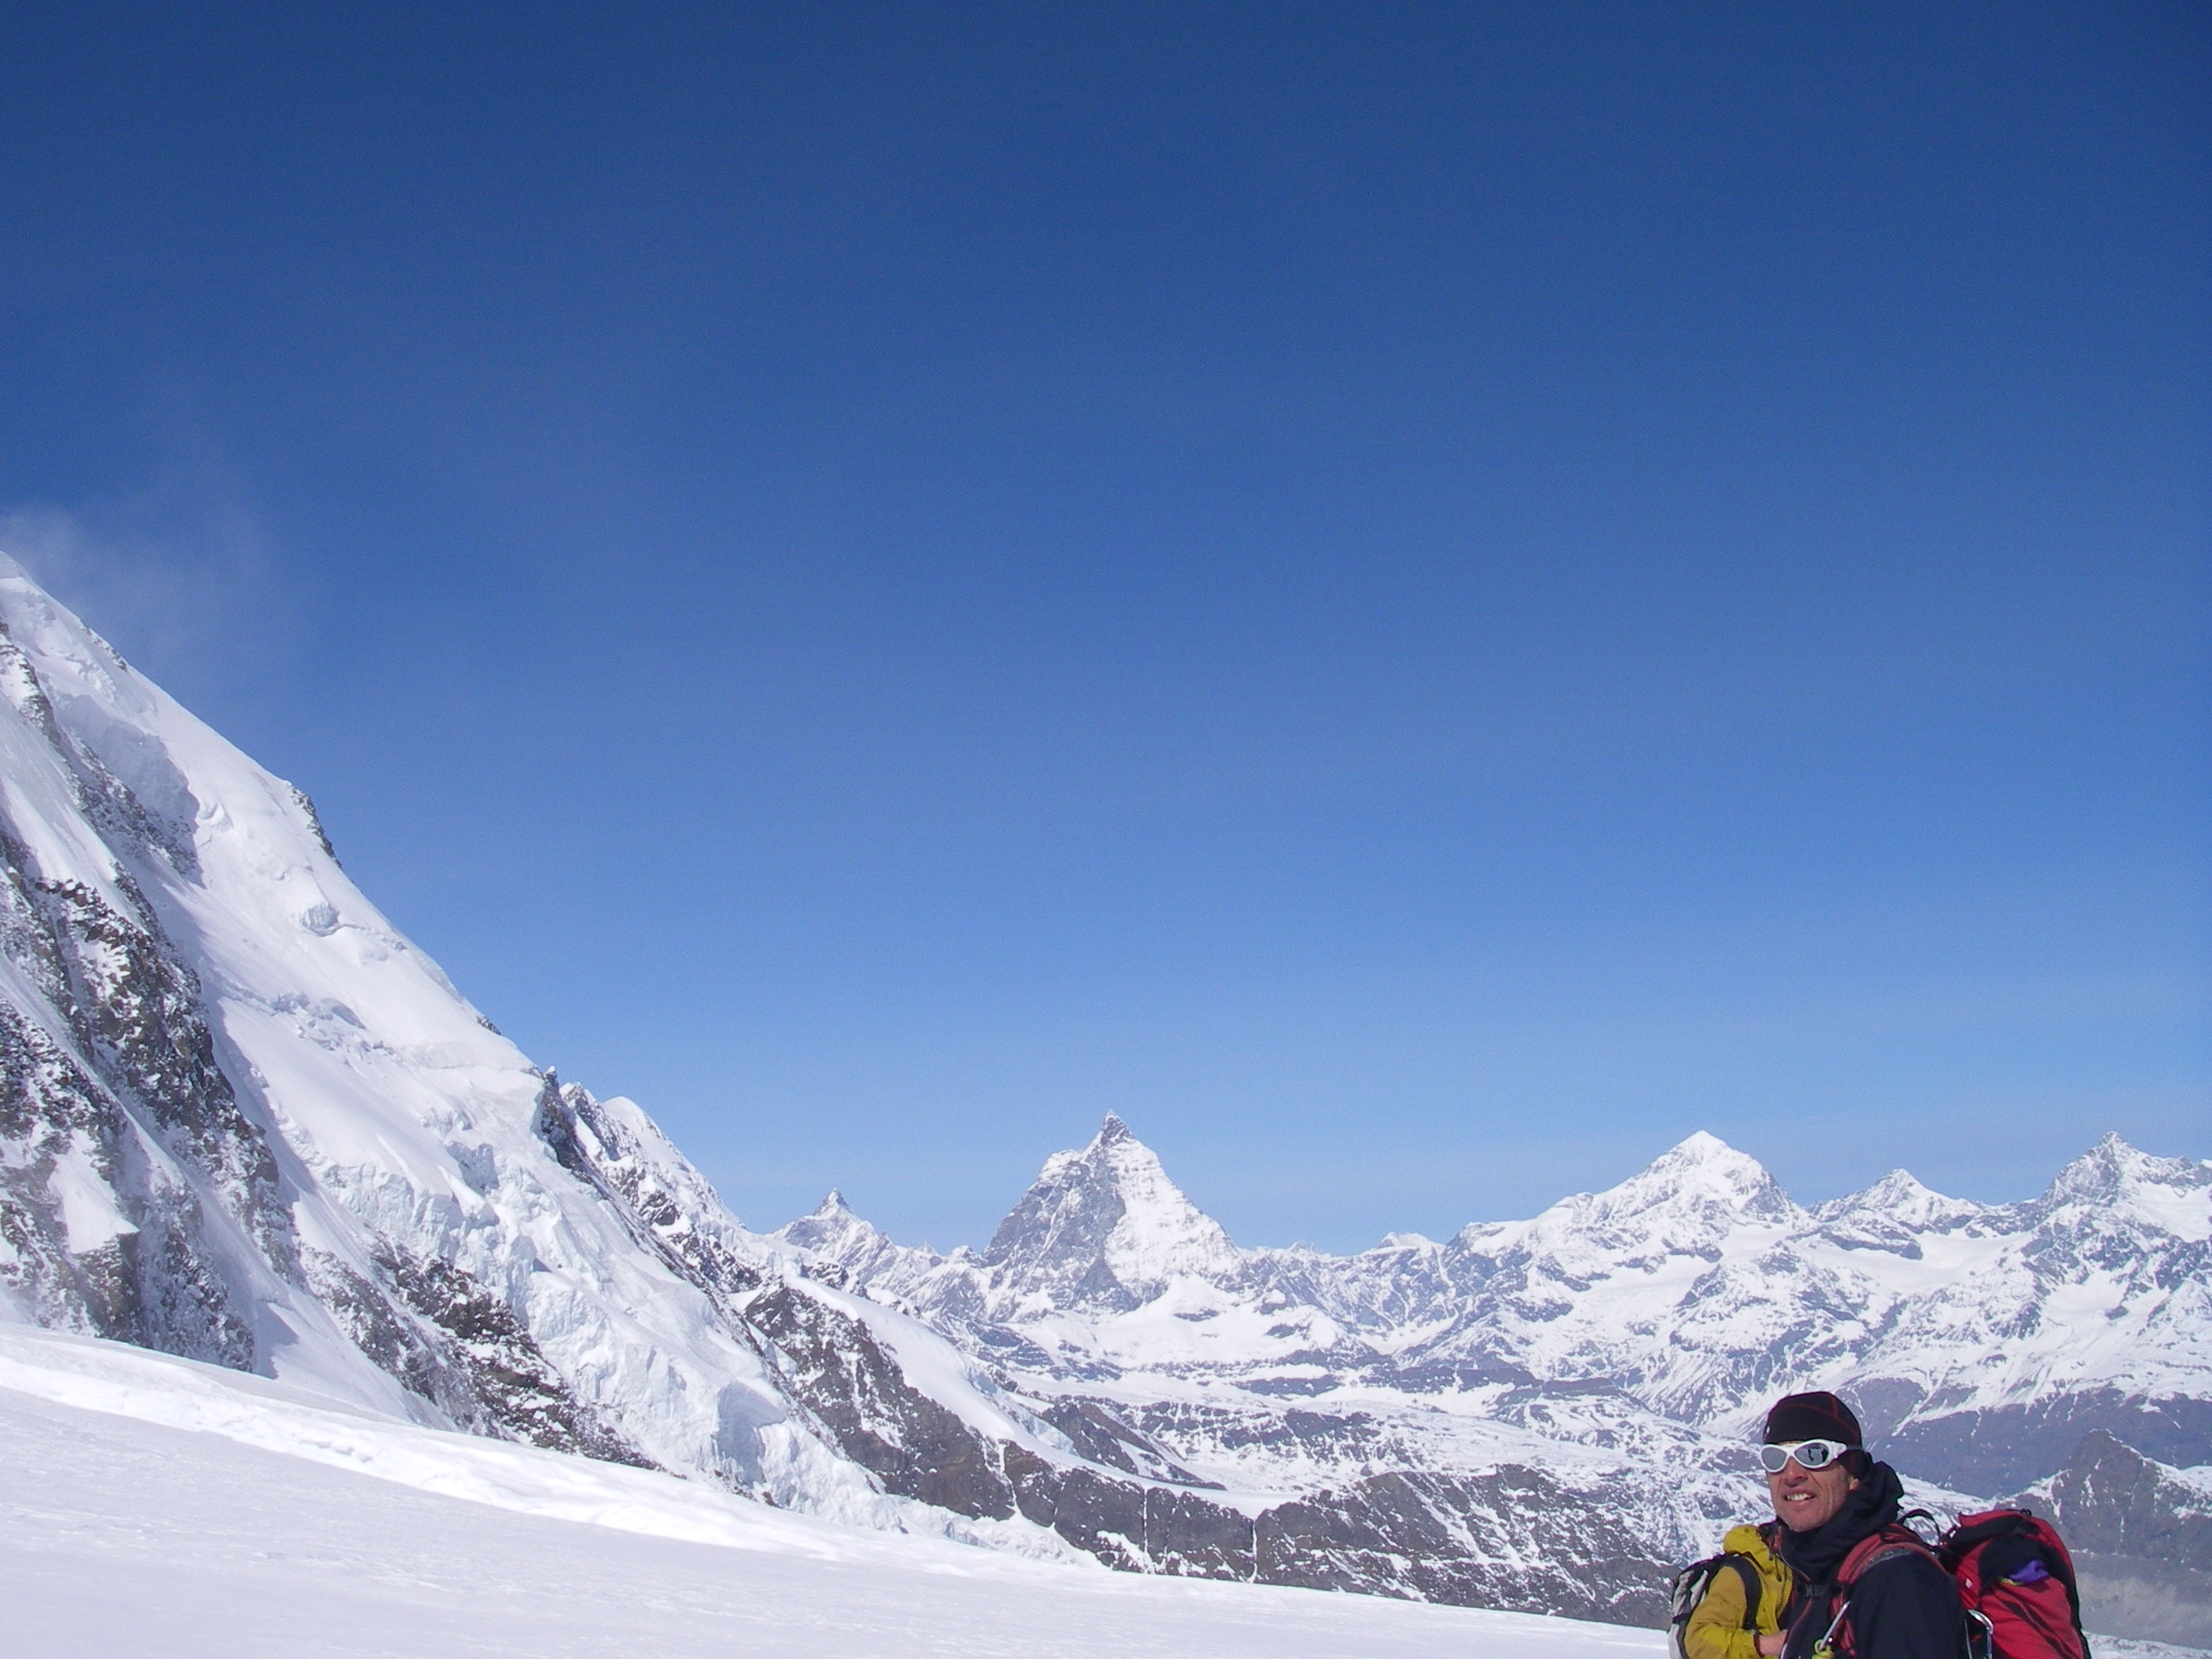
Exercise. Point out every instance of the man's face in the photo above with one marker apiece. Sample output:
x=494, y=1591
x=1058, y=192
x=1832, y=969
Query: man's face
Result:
x=1805, y=1499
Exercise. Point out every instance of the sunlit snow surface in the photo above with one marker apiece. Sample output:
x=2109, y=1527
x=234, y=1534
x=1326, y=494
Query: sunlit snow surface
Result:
x=151, y=1505
x=156, y=1506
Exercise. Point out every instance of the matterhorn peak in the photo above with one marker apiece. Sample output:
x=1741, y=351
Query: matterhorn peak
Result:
x=1106, y=1226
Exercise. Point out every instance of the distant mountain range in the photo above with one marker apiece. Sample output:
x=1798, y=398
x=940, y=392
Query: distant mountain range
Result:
x=243, y=1120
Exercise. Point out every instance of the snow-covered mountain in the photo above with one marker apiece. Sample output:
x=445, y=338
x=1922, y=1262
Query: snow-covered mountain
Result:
x=243, y=1121
x=2140, y=1533
x=1981, y=1341
x=1623, y=1344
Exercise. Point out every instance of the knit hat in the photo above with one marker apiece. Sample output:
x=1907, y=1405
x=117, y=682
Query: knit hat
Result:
x=1812, y=1417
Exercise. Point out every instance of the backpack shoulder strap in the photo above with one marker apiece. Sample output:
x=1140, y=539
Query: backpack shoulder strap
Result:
x=1886, y=1545
x=1695, y=1582
x=1749, y=1574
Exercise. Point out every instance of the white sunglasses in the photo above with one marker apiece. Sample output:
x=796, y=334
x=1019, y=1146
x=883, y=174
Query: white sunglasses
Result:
x=1809, y=1454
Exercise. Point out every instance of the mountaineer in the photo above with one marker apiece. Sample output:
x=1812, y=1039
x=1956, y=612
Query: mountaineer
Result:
x=1863, y=1585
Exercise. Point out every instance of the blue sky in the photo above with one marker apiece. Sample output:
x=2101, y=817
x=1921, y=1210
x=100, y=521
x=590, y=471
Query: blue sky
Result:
x=1420, y=600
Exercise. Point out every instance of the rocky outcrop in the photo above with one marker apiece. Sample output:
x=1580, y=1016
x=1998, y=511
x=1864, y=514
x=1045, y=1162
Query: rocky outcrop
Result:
x=1513, y=1537
x=2141, y=1534
x=2002, y=1447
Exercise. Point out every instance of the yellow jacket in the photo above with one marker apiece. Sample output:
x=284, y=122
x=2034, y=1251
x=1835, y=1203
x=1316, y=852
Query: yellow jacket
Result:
x=1716, y=1628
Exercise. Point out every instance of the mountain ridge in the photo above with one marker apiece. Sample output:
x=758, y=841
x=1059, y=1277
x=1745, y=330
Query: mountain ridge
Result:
x=1703, y=1227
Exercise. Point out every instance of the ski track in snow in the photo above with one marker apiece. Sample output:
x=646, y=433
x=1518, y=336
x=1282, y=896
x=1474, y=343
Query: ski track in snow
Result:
x=157, y=1506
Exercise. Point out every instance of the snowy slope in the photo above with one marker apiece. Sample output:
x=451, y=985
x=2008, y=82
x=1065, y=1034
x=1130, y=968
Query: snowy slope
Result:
x=157, y=1506
x=243, y=1120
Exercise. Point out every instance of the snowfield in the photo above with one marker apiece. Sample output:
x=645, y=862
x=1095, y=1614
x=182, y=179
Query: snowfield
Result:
x=155, y=1505
x=160, y=1506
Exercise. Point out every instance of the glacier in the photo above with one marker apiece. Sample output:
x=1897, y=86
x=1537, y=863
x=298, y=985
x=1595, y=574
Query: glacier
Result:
x=246, y=1123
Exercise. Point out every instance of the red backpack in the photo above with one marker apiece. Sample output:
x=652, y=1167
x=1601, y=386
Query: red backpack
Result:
x=2015, y=1581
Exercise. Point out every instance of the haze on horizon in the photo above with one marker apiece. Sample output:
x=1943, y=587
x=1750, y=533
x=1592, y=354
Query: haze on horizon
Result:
x=1420, y=602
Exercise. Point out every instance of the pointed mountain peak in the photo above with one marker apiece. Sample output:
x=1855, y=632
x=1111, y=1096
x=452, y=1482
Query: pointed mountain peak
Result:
x=1901, y=1189
x=1703, y=1163
x=831, y=1229
x=1106, y=1227
x=1687, y=1197
x=1705, y=1150
x=1889, y=1213
x=1701, y=1146
x=2112, y=1171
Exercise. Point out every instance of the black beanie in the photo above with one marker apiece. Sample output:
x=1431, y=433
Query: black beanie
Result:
x=1812, y=1417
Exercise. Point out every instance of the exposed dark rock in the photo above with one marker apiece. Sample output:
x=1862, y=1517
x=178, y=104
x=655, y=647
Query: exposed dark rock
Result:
x=1512, y=1538
x=306, y=805
x=1102, y=1435
x=829, y=1364
x=2142, y=1542
x=515, y=1389
x=1463, y=1540
x=401, y=1342
x=2006, y=1448
x=586, y=1141
x=1143, y=1528
x=136, y=1037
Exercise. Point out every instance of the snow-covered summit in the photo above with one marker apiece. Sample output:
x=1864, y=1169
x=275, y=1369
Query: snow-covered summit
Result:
x=1895, y=1213
x=2115, y=1177
x=1696, y=1288
x=1684, y=1202
x=1104, y=1228
x=243, y=1120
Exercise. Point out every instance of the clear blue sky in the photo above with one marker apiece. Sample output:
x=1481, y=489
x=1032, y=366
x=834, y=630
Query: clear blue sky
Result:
x=1421, y=600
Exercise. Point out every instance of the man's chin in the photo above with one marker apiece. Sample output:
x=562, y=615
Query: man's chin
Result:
x=1800, y=1517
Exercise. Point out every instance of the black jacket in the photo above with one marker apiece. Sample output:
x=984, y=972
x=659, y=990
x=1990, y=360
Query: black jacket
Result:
x=1903, y=1607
